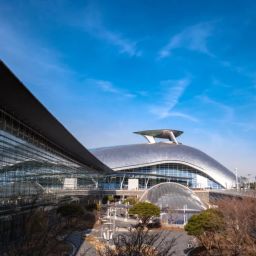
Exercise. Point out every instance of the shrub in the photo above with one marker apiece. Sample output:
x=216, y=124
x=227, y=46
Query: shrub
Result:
x=131, y=200
x=145, y=211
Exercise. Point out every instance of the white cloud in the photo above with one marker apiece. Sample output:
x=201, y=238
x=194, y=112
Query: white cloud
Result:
x=184, y=116
x=192, y=38
x=33, y=63
x=106, y=86
x=109, y=87
x=246, y=126
x=228, y=111
x=240, y=70
x=94, y=26
x=219, y=83
x=172, y=90
x=42, y=67
x=125, y=45
x=175, y=89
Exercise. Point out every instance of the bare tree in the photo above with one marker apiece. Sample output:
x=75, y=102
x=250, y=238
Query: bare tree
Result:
x=140, y=242
x=239, y=237
x=39, y=236
x=43, y=232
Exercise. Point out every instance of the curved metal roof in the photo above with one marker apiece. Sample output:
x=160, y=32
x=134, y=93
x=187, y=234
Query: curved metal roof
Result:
x=174, y=196
x=19, y=102
x=139, y=155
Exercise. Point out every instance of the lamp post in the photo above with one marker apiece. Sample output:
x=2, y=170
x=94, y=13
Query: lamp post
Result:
x=109, y=227
x=126, y=212
x=184, y=214
x=108, y=233
x=236, y=179
x=248, y=180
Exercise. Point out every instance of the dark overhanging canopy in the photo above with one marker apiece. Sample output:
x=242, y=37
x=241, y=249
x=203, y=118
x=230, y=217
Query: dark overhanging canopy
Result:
x=19, y=102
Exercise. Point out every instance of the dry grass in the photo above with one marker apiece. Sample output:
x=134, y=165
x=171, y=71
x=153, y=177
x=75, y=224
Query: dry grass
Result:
x=171, y=228
x=93, y=241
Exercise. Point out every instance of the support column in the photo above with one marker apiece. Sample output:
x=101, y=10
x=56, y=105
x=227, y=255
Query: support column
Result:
x=146, y=183
x=121, y=184
x=172, y=137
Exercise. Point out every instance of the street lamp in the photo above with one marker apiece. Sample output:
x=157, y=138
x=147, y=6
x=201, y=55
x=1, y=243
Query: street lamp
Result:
x=236, y=179
x=248, y=180
x=184, y=213
x=108, y=233
x=126, y=212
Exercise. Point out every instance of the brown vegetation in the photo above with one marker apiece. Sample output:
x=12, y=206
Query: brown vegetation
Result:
x=140, y=242
x=235, y=231
x=43, y=231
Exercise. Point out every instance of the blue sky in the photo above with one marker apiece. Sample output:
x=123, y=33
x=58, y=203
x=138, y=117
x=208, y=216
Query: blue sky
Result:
x=108, y=68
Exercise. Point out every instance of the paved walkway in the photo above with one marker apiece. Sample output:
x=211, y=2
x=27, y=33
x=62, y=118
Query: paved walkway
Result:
x=86, y=250
x=181, y=238
x=123, y=220
x=75, y=239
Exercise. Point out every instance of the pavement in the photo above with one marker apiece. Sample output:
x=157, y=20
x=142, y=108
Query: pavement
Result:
x=123, y=220
x=76, y=240
x=181, y=242
x=86, y=250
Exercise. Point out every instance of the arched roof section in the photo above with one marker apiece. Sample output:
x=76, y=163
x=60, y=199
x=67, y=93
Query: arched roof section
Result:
x=139, y=155
x=174, y=196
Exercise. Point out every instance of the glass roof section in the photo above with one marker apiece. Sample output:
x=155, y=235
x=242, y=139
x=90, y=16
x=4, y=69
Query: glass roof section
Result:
x=173, y=196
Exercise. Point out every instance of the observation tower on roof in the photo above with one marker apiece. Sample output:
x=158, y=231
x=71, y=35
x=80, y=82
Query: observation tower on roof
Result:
x=169, y=134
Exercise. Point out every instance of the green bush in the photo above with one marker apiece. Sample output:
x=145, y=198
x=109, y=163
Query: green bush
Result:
x=210, y=220
x=130, y=200
x=145, y=211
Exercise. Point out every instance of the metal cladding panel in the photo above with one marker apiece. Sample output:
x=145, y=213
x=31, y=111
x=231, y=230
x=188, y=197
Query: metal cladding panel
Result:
x=138, y=155
x=18, y=101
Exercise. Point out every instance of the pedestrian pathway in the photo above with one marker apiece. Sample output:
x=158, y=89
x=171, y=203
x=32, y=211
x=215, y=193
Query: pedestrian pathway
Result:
x=75, y=239
x=86, y=250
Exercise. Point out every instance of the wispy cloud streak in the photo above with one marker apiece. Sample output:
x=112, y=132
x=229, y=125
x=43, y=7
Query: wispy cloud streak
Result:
x=109, y=87
x=228, y=111
x=171, y=94
x=193, y=38
x=35, y=63
x=94, y=26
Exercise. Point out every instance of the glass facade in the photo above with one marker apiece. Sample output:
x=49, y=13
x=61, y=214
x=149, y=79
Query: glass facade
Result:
x=30, y=164
x=151, y=175
x=177, y=203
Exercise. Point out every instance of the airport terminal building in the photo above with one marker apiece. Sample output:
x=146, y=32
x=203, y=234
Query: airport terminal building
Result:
x=165, y=161
x=38, y=154
x=42, y=166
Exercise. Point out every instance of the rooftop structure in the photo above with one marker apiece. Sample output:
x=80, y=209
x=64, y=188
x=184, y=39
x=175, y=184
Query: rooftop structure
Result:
x=150, y=135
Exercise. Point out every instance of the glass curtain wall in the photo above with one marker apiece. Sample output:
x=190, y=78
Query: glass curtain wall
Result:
x=151, y=175
x=30, y=164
